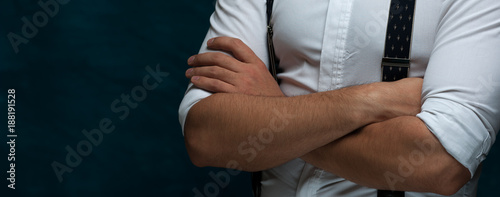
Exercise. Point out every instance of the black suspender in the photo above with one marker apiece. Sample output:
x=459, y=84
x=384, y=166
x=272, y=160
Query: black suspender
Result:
x=270, y=46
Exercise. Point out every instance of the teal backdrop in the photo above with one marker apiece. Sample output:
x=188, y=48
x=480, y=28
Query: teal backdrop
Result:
x=82, y=107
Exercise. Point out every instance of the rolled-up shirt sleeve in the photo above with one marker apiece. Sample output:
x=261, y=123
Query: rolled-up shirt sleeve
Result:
x=241, y=19
x=461, y=90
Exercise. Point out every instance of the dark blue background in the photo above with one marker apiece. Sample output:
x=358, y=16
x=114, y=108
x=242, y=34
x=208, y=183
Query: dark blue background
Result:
x=86, y=56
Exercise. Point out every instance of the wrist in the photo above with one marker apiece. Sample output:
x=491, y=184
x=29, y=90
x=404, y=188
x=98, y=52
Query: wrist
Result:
x=393, y=99
x=369, y=99
x=386, y=101
x=360, y=103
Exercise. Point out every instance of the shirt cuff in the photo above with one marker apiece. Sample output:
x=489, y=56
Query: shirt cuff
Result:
x=459, y=129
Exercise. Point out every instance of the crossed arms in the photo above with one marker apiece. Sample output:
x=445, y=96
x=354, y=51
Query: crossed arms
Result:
x=352, y=132
x=357, y=132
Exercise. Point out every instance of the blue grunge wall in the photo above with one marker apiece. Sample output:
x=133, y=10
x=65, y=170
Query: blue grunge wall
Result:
x=72, y=69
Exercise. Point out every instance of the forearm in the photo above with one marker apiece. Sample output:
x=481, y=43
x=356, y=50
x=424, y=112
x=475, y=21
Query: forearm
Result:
x=263, y=132
x=398, y=154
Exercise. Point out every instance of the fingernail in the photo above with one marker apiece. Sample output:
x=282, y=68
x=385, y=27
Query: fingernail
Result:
x=195, y=78
x=191, y=59
x=211, y=41
x=189, y=71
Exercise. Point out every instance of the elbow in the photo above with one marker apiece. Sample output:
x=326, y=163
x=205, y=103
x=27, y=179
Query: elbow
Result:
x=197, y=160
x=195, y=155
x=451, y=177
x=194, y=140
x=196, y=146
x=203, y=152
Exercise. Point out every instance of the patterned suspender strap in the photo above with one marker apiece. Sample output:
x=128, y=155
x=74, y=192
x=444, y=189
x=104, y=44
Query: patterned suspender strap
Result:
x=396, y=60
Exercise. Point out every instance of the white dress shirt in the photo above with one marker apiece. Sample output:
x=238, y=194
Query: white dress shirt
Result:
x=330, y=44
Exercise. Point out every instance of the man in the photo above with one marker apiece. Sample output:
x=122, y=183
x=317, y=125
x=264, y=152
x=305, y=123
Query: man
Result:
x=331, y=128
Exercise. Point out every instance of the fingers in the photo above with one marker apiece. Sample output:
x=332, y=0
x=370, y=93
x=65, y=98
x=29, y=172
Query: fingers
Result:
x=218, y=72
x=212, y=85
x=213, y=79
x=237, y=47
x=214, y=58
x=213, y=72
x=240, y=50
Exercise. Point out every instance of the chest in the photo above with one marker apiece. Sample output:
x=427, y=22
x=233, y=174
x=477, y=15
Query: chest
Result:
x=344, y=39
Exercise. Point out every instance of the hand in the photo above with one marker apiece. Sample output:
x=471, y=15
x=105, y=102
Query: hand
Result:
x=399, y=98
x=221, y=73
